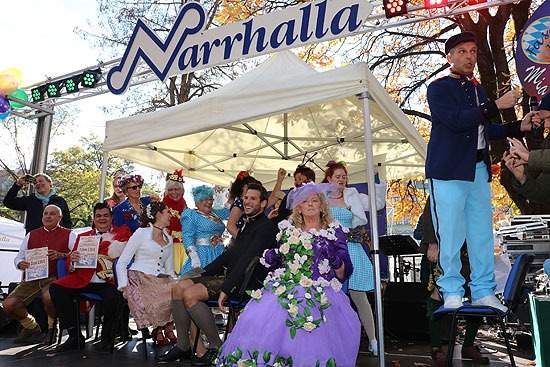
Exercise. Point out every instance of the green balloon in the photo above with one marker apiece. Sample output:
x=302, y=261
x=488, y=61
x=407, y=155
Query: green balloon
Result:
x=21, y=95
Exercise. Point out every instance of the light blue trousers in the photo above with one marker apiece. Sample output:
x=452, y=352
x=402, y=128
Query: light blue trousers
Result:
x=461, y=210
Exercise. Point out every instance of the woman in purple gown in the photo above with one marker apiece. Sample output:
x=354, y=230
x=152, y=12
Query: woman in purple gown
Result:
x=301, y=317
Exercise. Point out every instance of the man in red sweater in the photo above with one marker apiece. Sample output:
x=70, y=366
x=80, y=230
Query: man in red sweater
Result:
x=98, y=281
x=59, y=242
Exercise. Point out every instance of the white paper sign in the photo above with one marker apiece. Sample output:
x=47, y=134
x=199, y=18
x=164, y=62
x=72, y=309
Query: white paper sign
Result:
x=88, y=247
x=38, y=260
x=190, y=47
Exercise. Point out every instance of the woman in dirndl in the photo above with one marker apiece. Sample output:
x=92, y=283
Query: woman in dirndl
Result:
x=147, y=284
x=348, y=206
x=173, y=198
x=201, y=230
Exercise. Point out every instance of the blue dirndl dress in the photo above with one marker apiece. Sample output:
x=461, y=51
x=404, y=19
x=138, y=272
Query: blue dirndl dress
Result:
x=362, y=278
x=203, y=233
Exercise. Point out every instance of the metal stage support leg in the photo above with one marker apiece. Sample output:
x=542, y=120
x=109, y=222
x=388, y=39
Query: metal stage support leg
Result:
x=364, y=97
x=41, y=144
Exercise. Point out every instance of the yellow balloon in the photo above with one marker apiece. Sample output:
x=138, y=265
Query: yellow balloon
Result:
x=16, y=73
x=8, y=84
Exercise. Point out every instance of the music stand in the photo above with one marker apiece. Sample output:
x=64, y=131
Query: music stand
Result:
x=396, y=246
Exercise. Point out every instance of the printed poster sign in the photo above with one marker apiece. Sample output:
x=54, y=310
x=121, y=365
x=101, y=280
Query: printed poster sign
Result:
x=38, y=260
x=533, y=53
x=88, y=247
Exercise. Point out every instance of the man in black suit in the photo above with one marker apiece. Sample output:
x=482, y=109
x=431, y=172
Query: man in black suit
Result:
x=188, y=296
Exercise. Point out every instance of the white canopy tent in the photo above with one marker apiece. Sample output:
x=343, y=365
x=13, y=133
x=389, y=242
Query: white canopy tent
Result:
x=274, y=116
x=12, y=234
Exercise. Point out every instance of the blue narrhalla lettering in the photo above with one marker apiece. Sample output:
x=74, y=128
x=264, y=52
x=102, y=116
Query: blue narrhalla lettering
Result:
x=351, y=20
x=288, y=35
x=244, y=38
x=249, y=37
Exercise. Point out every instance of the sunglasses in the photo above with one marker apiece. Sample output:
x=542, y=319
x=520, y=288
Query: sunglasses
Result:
x=135, y=187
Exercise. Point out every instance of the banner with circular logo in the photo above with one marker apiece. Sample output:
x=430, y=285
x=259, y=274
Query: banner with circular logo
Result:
x=533, y=53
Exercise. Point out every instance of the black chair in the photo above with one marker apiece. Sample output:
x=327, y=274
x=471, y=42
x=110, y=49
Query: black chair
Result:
x=83, y=296
x=235, y=304
x=512, y=294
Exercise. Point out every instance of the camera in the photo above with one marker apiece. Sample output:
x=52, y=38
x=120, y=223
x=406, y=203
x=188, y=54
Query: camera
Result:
x=30, y=179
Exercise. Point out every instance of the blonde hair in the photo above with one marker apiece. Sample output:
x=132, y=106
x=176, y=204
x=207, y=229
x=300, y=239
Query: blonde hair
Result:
x=326, y=218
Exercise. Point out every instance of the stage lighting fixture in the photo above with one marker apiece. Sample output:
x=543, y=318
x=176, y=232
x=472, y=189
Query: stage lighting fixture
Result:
x=54, y=89
x=71, y=84
x=432, y=4
x=393, y=8
x=37, y=94
x=90, y=78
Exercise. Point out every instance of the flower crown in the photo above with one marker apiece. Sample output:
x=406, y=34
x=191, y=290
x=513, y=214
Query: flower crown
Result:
x=132, y=178
x=339, y=163
x=118, y=180
x=176, y=176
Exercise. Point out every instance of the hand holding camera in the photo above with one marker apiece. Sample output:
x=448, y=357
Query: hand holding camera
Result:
x=26, y=179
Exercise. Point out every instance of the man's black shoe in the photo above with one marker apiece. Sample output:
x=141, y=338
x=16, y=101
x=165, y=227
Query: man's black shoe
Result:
x=207, y=359
x=174, y=354
x=71, y=344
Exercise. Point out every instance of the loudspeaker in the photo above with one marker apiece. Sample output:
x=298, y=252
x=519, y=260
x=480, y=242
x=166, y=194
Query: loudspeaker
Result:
x=405, y=310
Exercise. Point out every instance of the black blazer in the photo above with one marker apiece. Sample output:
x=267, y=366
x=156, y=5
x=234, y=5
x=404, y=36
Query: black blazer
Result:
x=34, y=208
x=257, y=236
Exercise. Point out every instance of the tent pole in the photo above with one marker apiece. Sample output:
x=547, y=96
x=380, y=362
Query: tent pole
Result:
x=364, y=97
x=103, y=176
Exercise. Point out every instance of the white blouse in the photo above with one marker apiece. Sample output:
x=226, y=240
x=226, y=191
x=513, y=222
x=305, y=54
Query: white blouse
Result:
x=149, y=256
x=360, y=203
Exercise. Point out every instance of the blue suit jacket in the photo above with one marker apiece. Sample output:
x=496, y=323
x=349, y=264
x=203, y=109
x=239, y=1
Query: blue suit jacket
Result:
x=452, y=150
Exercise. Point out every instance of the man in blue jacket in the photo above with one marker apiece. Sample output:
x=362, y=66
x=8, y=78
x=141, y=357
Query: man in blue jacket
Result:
x=458, y=166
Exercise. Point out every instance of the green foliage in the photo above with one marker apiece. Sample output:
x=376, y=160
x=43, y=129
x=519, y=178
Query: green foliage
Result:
x=76, y=175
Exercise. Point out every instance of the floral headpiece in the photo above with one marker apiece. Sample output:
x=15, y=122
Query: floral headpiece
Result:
x=339, y=163
x=117, y=180
x=242, y=175
x=202, y=192
x=176, y=176
x=148, y=212
x=300, y=194
x=132, y=178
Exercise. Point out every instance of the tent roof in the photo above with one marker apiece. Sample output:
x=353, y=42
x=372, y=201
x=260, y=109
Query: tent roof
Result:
x=272, y=117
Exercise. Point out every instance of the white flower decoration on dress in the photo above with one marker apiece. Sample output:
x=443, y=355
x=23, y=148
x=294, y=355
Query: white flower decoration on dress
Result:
x=283, y=224
x=309, y=326
x=336, y=285
x=285, y=247
x=324, y=266
x=305, y=281
x=280, y=290
x=293, y=310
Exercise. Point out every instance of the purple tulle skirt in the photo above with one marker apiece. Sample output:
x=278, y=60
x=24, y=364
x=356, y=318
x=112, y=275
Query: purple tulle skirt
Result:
x=262, y=329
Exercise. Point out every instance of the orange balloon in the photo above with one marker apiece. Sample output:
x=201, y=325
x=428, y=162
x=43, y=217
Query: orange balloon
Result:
x=8, y=84
x=16, y=73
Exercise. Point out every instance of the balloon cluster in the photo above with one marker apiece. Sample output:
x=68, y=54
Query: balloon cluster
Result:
x=10, y=80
